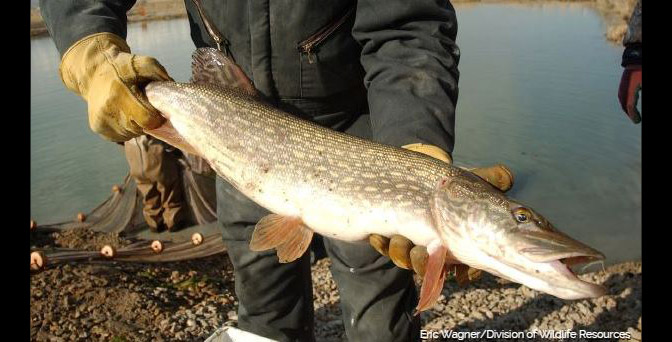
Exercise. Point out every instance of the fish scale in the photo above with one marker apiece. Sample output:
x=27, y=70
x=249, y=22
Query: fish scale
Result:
x=314, y=179
x=261, y=151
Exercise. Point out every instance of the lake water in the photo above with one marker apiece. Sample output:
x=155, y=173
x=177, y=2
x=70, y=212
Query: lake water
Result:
x=537, y=92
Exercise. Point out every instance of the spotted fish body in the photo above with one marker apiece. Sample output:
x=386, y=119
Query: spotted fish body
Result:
x=315, y=179
x=341, y=186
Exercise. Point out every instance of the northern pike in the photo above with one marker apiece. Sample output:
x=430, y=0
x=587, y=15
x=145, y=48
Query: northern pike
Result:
x=314, y=179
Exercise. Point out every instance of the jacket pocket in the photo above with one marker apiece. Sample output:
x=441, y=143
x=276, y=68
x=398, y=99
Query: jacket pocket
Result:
x=329, y=58
x=309, y=45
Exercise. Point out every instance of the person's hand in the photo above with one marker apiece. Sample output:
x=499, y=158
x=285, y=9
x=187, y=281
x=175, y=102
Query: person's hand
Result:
x=628, y=91
x=101, y=69
x=405, y=254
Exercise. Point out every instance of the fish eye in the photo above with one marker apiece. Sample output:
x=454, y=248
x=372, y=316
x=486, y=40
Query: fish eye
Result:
x=522, y=215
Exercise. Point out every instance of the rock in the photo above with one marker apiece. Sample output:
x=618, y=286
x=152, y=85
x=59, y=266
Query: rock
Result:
x=489, y=314
x=635, y=334
x=477, y=315
x=66, y=301
x=73, y=301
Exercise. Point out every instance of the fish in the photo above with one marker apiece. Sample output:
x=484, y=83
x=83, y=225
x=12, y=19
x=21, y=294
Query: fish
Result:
x=317, y=180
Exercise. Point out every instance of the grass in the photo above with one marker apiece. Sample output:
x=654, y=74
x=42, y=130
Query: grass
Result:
x=620, y=8
x=617, y=13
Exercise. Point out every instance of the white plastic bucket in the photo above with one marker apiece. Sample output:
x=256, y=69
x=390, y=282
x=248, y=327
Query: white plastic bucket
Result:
x=231, y=334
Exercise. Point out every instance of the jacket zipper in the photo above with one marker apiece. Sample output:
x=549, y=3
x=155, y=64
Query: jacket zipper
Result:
x=309, y=45
x=213, y=32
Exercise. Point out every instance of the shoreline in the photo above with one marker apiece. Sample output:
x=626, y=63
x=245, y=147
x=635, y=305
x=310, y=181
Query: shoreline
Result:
x=41, y=30
x=142, y=11
x=614, y=12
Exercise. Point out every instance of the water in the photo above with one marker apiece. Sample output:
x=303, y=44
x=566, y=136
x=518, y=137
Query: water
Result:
x=73, y=169
x=537, y=93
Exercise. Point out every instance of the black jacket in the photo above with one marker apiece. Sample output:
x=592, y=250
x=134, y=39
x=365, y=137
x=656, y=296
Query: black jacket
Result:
x=402, y=51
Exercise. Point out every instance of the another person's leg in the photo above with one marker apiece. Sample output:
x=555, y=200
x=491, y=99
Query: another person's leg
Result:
x=139, y=164
x=152, y=210
x=165, y=172
x=275, y=300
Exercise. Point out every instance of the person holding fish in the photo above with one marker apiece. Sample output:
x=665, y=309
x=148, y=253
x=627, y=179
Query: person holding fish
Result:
x=384, y=71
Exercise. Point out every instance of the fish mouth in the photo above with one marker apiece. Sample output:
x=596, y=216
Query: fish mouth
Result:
x=564, y=265
x=542, y=260
x=568, y=285
x=554, y=253
x=581, y=259
x=544, y=246
x=573, y=258
x=551, y=274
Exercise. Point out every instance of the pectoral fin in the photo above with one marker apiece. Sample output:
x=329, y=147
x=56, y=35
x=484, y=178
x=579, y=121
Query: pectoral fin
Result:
x=167, y=133
x=288, y=235
x=294, y=247
x=435, y=275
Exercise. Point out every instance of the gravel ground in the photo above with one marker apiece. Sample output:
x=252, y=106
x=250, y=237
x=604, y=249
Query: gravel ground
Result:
x=492, y=303
x=188, y=301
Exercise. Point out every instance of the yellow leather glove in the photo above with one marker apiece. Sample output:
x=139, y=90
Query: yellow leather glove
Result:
x=498, y=175
x=101, y=69
x=404, y=253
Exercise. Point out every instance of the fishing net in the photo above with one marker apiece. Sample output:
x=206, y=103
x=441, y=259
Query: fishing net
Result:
x=120, y=216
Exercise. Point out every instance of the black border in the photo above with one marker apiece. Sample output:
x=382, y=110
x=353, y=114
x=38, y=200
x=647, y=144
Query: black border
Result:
x=655, y=157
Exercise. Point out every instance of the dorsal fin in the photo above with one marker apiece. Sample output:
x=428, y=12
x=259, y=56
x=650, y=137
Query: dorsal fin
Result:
x=211, y=66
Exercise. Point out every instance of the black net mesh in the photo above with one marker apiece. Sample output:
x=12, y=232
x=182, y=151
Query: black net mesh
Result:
x=121, y=215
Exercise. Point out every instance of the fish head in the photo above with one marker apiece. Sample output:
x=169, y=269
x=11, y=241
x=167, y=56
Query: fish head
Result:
x=485, y=229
